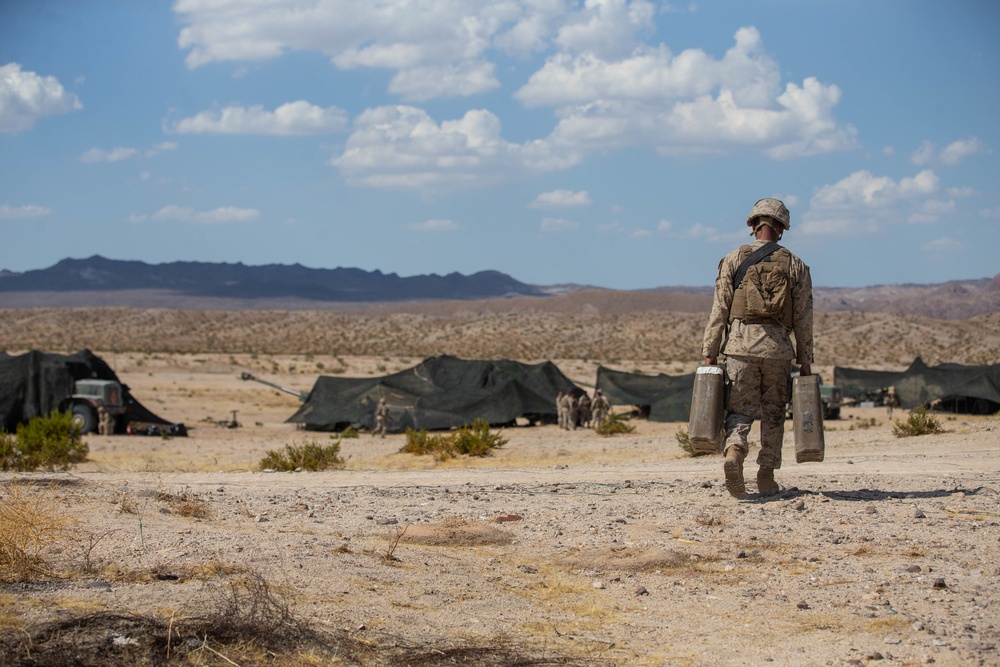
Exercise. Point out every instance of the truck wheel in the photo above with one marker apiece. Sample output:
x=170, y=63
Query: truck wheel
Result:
x=84, y=417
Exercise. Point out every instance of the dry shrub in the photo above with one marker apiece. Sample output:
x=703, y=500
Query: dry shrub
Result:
x=455, y=531
x=918, y=423
x=186, y=504
x=31, y=521
x=474, y=440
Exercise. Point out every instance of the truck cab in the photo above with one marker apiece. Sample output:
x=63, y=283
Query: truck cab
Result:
x=89, y=395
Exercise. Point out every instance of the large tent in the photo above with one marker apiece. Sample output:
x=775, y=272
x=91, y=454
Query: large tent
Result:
x=439, y=393
x=35, y=384
x=953, y=387
x=663, y=398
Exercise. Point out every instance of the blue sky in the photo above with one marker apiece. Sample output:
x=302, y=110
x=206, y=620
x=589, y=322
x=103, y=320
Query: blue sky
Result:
x=606, y=142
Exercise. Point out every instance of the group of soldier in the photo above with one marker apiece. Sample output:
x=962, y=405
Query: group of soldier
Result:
x=574, y=411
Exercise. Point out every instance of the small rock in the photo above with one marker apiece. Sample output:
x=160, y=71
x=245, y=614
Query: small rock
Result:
x=741, y=554
x=598, y=584
x=641, y=591
x=875, y=655
x=508, y=517
x=892, y=640
x=911, y=568
x=940, y=583
x=803, y=605
x=918, y=513
x=527, y=569
x=870, y=509
x=387, y=522
x=799, y=506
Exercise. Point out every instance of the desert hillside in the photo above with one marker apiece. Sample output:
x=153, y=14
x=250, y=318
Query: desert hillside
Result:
x=661, y=332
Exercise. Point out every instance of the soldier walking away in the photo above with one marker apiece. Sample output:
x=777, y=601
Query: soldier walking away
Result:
x=560, y=410
x=763, y=297
x=381, y=418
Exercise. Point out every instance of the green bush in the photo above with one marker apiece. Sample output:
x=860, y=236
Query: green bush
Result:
x=349, y=432
x=307, y=456
x=475, y=440
x=44, y=442
x=614, y=426
x=918, y=423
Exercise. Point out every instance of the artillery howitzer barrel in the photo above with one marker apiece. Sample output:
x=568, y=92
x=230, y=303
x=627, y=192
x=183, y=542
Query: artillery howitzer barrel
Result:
x=301, y=395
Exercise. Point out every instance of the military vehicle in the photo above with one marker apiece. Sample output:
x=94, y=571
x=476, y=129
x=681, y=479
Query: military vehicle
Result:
x=88, y=396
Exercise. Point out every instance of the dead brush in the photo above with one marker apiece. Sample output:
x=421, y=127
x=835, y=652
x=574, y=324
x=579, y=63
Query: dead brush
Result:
x=186, y=504
x=32, y=521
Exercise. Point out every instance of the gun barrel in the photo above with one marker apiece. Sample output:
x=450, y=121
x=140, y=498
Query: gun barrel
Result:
x=301, y=395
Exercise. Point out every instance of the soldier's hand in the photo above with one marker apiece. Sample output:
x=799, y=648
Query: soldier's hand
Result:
x=805, y=369
x=710, y=361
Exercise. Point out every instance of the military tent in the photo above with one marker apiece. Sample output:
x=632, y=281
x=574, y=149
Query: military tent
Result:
x=952, y=387
x=439, y=393
x=662, y=398
x=35, y=384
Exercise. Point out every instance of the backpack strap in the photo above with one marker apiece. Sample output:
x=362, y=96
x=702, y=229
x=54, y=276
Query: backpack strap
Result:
x=758, y=255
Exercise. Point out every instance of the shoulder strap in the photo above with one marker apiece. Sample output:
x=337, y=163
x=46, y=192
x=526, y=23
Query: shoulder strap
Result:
x=758, y=255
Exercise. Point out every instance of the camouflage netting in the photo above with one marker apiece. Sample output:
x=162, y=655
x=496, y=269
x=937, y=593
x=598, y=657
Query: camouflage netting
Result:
x=439, y=393
x=662, y=398
x=35, y=384
x=953, y=387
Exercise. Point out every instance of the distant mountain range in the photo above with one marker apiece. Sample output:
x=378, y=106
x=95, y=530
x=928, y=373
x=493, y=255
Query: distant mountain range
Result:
x=100, y=282
x=272, y=281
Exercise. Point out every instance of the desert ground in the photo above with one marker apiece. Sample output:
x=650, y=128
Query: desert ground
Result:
x=563, y=547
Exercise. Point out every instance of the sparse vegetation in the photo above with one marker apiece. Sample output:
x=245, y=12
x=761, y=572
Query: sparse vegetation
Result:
x=918, y=423
x=31, y=522
x=474, y=440
x=307, y=456
x=684, y=442
x=44, y=442
x=616, y=424
x=864, y=424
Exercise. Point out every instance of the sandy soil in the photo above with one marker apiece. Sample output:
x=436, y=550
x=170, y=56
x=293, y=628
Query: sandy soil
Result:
x=617, y=550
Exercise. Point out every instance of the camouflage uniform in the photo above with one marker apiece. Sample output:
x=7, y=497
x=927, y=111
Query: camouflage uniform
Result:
x=599, y=407
x=758, y=359
x=381, y=419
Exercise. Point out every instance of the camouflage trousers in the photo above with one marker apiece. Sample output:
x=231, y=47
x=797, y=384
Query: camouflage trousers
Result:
x=757, y=387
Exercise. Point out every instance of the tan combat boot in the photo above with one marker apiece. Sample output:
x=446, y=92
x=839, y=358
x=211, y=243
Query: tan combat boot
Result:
x=733, y=468
x=766, y=486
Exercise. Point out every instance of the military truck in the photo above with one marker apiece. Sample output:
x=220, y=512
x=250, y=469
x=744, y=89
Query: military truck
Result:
x=88, y=396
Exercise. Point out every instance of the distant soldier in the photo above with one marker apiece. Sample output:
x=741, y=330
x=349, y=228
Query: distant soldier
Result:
x=560, y=410
x=584, y=411
x=381, y=418
x=891, y=401
x=571, y=410
x=565, y=409
x=599, y=407
x=101, y=421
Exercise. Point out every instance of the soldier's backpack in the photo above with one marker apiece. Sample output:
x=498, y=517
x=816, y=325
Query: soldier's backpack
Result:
x=762, y=286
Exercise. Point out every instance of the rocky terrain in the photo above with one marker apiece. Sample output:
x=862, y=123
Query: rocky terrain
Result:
x=560, y=548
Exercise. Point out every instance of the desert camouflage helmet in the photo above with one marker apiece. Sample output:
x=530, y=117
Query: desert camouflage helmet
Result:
x=773, y=208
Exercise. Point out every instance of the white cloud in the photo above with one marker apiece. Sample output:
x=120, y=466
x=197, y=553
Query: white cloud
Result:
x=8, y=212
x=114, y=155
x=434, y=226
x=402, y=147
x=950, y=155
x=640, y=233
x=561, y=199
x=865, y=203
x=292, y=118
x=943, y=246
x=25, y=97
x=221, y=215
x=161, y=147
x=965, y=191
x=688, y=103
x=558, y=225
x=665, y=225
x=993, y=213
x=607, y=28
x=932, y=211
x=414, y=38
